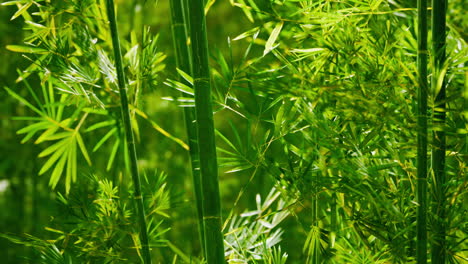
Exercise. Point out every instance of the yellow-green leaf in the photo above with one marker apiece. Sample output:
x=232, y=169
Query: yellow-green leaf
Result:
x=51, y=149
x=52, y=160
x=21, y=10
x=271, y=40
x=57, y=173
x=26, y=49
x=83, y=148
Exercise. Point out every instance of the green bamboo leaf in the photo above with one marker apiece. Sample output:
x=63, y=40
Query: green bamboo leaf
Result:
x=100, y=125
x=73, y=163
x=208, y=5
x=15, y=2
x=371, y=135
x=57, y=172
x=225, y=69
x=82, y=147
x=24, y=101
x=44, y=136
x=180, y=87
x=113, y=153
x=184, y=75
x=35, y=24
x=71, y=167
x=271, y=40
x=96, y=111
x=58, y=153
x=28, y=136
x=246, y=34
x=59, y=136
x=21, y=10
x=26, y=49
x=51, y=149
x=105, y=138
x=240, y=168
x=34, y=127
x=246, y=9
x=236, y=134
x=279, y=119
x=226, y=140
x=136, y=128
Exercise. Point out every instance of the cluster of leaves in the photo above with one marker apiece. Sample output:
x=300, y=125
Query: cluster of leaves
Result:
x=253, y=236
x=68, y=46
x=94, y=224
x=322, y=101
x=324, y=98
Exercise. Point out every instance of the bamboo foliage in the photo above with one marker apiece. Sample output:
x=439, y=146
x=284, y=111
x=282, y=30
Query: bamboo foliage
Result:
x=214, y=248
x=130, y=141
x=180, y=39
x=439, y=9
x=326, y=103
x=421, y=243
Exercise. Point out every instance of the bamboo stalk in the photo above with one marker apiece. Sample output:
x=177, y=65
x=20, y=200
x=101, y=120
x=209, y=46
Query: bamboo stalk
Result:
x=180, y=38
x=214, y=248
x=421, y=240
x=439, y=9
x=315, y=220
x=128, y=132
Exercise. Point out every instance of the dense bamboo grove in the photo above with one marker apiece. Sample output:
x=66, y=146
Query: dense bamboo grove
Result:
x=271, y=132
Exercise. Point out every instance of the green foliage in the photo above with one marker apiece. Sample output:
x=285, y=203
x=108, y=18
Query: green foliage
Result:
x=94, y=224
x=317, y=99
x=254, y=235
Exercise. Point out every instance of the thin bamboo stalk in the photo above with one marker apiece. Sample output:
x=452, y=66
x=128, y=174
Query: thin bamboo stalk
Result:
x=421, y=240
x=315, y=220
x=180, y=38
x=214, y=248
x=128, y=132
x=439, y=10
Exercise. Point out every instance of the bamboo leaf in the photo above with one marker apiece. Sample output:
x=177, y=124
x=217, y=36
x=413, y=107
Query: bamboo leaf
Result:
x=24, y=101
x=57, y=172
x=82, y=147
x=186, y=77
x=246, y=34
x=35, y=24
x=105, y=138
x=51, y=149
x=240, y=168
x=113, y=153
x=34, y=127
x=21, y=10
x=8, y=3
x=100, y=125
x=273, y=36
x=26, y=49
x=58, y=153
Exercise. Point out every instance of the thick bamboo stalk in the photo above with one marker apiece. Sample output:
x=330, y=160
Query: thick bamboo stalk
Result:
x=439, y=9
x=180, y=38
x=128, y=132
x=214, y=248
x=421, y=239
